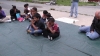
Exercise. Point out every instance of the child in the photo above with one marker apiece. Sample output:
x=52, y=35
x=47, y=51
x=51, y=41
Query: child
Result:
x=3, y=17
x=36, y=27
x=52, y=31
x=48, y=15
x=33, y=11
x=13, y=12
x=27, y=9
x=43, y=19
x=19, y=17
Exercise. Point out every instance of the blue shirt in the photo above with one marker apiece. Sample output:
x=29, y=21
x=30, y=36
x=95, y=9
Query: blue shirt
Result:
x=2, y=14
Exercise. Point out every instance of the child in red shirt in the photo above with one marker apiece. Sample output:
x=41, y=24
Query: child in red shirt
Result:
x=52, y=31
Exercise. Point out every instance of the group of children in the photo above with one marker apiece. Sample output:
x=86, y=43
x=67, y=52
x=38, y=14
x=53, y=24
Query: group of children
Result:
x=44, y=25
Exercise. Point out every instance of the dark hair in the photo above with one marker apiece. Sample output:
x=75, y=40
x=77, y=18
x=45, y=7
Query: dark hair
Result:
x=26, y=11
x=25, y=5
x=34, y=8
x=51, y=19
x=36, y=15
x=13, y=6
x=45, y=12
x=0, y=7
x=18, y=11
x=48, y=15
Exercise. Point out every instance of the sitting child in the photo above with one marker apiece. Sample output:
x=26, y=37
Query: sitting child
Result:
x=19, y=17
x=3, y=17
x=32, y=12
x=13, y=12
x=36, y=27
x=43, y=19
x=26, y=11
x=48, y=15
x=52, y=31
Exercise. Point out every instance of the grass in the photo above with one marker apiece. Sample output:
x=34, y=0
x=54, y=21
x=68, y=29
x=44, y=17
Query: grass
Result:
x=68, y=2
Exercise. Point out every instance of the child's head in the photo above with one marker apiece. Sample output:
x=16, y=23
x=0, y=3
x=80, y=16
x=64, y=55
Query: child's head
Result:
x=45, y=12
x=48, y=15
x=51, y=21
x=34, y=9
x=0, y=8
x=18, y=11
x=36, y=17
x=13, y=7
x=26, y=5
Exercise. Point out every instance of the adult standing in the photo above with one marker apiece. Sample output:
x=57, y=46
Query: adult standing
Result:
x=74, y=8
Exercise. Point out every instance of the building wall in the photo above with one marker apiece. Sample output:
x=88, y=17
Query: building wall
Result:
x=89, y=0
x=93, y=0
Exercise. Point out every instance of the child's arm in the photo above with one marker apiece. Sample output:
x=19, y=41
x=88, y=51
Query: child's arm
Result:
x=52, y=31
x=49, y=27
x=32, y=23
x=3, y=13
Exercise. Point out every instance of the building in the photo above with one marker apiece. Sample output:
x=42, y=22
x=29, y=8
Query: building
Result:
x=89, y=0
x=93, y=0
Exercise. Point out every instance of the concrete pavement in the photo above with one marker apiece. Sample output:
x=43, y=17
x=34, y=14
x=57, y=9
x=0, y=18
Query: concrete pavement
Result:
x=85, y=15
x=14, y=40
x=87, y=10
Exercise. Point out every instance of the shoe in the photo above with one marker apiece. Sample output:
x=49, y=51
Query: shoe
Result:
x=35, y=34
x=82, y=25
x=75, y=17
x=8, y=21
x=13, y=19
x=70, y=16
x=49, y=37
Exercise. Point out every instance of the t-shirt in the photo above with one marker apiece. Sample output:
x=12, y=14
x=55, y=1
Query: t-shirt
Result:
x=75, y=0
x=40, y=25
x=56, y=28
x=2, y=14
x=26, y=11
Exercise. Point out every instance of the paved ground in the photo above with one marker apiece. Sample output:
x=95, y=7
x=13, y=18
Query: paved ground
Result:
x=89, y=10
x=14, y=41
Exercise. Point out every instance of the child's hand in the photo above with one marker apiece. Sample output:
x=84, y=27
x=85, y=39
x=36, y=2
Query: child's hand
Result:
x=47, y=23
x=15, y=10
x=91, y=31
x=32, y=21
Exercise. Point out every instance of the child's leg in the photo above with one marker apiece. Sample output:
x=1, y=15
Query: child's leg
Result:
x=46, y=33
x=37, y=31
x=29, y=29
x=6, y=19
x=55, y=35
x=1, y=20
